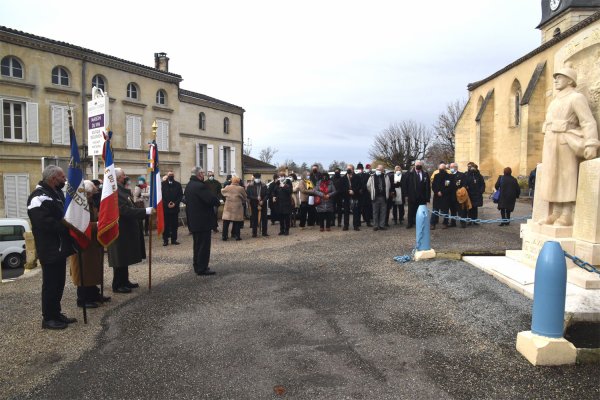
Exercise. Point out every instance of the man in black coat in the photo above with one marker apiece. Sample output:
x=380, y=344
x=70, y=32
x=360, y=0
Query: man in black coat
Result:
x=45, y=208
x=351, y=186
x=417, y=189
x=338, y=183
x=201, y=218
x=443, y=192
x=129, y=248
x=171, y=197
x=257, y=196
x=475, y=187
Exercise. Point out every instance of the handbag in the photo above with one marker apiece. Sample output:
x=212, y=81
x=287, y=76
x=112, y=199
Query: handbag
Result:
x=496, y=194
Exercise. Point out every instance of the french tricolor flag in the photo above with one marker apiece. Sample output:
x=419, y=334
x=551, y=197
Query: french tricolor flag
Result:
x=108, y=216
x=77, y=209
x=156, y=187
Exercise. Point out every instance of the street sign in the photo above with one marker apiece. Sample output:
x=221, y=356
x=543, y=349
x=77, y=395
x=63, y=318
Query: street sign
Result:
x=97, y=121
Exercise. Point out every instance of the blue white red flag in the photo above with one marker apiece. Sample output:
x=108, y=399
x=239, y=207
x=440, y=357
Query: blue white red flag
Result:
x=108, y=216
x=77, y=209
x=156, y=187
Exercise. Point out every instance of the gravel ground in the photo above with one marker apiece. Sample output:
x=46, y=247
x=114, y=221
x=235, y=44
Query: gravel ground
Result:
x=325, y=315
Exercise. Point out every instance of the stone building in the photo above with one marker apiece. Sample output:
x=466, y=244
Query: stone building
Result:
x=40, y=78
x=501, y=124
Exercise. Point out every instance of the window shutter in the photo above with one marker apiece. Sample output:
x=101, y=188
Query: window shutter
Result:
x=10, y=195
x=221, y=161
x=129, y=131
x=66, y=139
x=57, y=124
x=163, y=133
x=32, y=122
x=22, y=195
x=137, y=132
x=210, y=157
x=1, y=121
x=198, y=155
x=232, y=160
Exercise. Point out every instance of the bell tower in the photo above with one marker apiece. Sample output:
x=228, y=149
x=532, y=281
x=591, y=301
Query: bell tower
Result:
x=559, y=15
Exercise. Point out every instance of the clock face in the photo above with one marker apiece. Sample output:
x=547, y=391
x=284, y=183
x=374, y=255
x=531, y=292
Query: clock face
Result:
x=554, y=4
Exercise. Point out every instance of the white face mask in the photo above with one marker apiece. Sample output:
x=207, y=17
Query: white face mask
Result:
x=307, y=176
x=398, y=173
x=367, y=170
x=377, y=173
x=282, y=178
x=452, y=170
x=358, y=171
x=257, y=180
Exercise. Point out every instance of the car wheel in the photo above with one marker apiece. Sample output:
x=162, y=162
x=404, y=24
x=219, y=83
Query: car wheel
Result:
x=13, y=260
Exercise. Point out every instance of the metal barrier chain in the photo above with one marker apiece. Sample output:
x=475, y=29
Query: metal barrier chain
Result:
x=582, y=264
x=479, y=221
x=411, y=256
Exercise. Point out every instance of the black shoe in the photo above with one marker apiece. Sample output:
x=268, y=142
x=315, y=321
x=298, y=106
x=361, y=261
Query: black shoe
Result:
x=345, y=228
x=383, y=229
x=216, y=230
x=207, y=272
x=225, y=238
x=254, y=235
x=387, y=225
x=89, y=304
x=265, y=234
x=175, y=243
x=103, y=299
x=65, y=319
x=53, y=324
x=501, y=224
x=376, y=229
x=122, y=289
x=356, y=228
x=132, y=285
x=409, y=226
x=165, y=243
x=370, y=225
x=238, y=238
x=286, y=233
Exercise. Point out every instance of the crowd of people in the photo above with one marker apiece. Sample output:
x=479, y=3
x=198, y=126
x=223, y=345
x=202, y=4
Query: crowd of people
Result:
x=313, y=198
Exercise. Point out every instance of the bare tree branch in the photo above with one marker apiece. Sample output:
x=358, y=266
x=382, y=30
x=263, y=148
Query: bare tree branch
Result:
x=266, y=155
x=401, y=144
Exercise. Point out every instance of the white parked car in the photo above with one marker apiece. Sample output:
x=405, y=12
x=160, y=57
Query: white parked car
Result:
x=12, y=241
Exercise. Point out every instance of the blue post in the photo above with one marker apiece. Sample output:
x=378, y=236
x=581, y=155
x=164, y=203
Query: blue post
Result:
x=549, y=293
x=423, y=233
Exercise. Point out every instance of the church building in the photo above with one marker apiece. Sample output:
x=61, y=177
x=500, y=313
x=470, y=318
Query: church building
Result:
x=501, y=124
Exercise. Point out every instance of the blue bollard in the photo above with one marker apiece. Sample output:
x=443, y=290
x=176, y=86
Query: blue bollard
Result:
x=549, y=293
x=423, y=233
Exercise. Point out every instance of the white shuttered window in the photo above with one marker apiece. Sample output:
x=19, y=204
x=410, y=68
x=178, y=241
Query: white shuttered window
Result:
x=16, y=191
x=133, y=128
x=60, y=124
x=162, y=134
x=18, y=121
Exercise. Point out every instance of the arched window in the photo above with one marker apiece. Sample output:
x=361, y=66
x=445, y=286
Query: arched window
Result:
x=202, y=121
x=556, y=32
x=515, y=107
x=161, y=97
x=10, y=66
x=60, y=76
x=132, y=91
x=226, y=125
x=99, y=82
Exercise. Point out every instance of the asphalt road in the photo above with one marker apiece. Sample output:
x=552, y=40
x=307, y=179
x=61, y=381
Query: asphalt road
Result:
x=318, y=317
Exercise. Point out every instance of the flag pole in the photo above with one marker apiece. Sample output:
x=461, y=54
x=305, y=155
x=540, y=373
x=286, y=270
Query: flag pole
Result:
x=153, y=181
x=79, y=255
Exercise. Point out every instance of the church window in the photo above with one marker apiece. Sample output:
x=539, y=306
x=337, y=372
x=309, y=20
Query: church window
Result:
x=10, y=66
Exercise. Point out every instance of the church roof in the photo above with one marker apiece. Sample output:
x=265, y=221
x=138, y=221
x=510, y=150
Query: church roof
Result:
x=569, y=32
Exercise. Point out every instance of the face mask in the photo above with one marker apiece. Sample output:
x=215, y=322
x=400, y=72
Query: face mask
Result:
x=337, y=173
x=257, y=180
x=281, y=178
x=308, y=176
x=140, y=183
x=60, y=186
x=171, y=178
x=419, y=167
x=452, y=170
x=358, y=171
x=398, y=173
x=348, y=171
x=212, y=178
x=377, y=172
x=367, y=170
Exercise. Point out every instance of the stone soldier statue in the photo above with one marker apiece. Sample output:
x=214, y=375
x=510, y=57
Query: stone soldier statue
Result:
x=571, y=135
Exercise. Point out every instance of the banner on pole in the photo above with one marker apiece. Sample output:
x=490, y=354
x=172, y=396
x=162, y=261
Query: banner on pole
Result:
x=97, y=121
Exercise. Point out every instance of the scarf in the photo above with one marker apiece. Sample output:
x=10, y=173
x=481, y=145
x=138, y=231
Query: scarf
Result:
x=308, y=184
x=324, y=187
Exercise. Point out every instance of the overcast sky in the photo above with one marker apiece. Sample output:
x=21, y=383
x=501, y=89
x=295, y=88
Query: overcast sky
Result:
x=318, y=79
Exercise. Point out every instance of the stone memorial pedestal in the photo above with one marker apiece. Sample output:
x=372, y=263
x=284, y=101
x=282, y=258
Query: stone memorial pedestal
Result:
x=581, y=240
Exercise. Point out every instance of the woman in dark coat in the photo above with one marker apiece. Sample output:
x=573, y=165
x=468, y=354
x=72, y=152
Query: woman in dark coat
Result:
x=475, y=187
x=282, y=200
x=509, y=192
x=443, y=189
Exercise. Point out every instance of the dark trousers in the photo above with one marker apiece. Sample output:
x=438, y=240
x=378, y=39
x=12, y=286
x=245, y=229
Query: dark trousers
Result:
x=339, y=209
x=284, y=223
x=87, y=294
x=412, y=212
x=201, y=250
x=171, y=225
x=463, y=213
x=453, y=213
x=366, y=206
x=120, y=277
x=147, y=225
x=324, y=219
x=505, y=214
x=398, y=212
x=254, y=222
x=53, y=286
x=473, y=213
x=235, y=229
x=307, y=215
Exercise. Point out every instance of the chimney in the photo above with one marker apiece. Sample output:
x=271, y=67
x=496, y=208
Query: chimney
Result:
x=161, y=62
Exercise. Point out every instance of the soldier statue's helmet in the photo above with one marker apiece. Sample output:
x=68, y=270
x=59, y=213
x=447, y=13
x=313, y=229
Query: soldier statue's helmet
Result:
x=568, y=71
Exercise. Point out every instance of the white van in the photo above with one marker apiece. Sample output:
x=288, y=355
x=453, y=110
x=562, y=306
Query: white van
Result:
x=12, y=241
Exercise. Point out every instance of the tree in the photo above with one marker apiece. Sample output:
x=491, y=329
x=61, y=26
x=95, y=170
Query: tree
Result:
x=445, y=128
x=337, y=164
x=292, y=166
x=266, y=155
x=401, y=144
x=247, y=146
x=303, y=167
x=437, y=153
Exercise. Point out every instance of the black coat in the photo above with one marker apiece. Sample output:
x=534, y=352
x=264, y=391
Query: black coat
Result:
x=475, y=187
x=200, y=204
x=255, y=190
x=45, y=208
x=338, y=184
x=353, y=183
x=509, y=192
x=171, y=192
x=446, y=184
x=416, y=191
x=129, y=248
x=283, y=196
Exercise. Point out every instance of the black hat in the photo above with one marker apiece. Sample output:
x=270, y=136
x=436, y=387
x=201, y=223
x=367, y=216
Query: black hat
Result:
x=256, y=174
x=359, y=166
